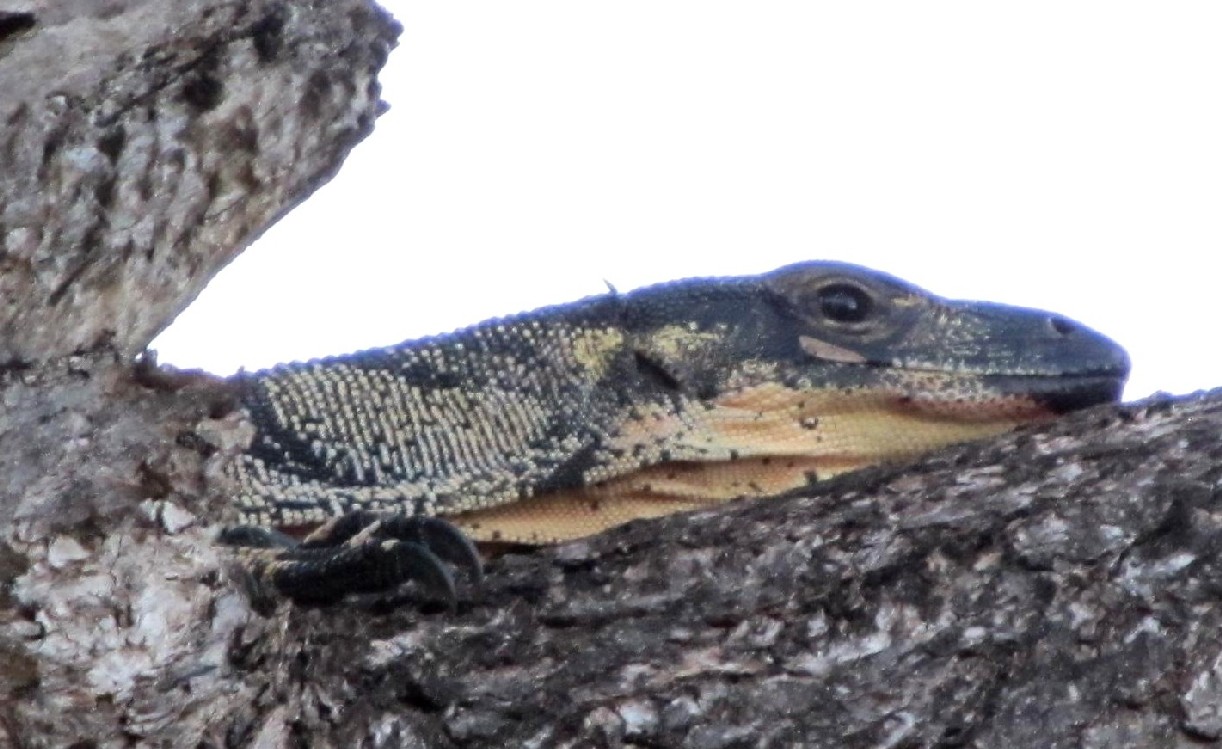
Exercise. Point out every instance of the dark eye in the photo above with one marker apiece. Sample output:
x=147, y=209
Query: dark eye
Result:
x=840, y=302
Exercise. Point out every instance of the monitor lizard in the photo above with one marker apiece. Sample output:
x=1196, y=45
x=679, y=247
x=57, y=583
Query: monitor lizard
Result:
x=562, y=422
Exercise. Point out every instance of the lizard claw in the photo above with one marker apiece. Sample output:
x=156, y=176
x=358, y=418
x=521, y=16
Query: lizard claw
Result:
x=254, y=537
x=361, y=552
x=442, y=538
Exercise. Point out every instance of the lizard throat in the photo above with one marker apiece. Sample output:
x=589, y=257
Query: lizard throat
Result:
x=757, y=442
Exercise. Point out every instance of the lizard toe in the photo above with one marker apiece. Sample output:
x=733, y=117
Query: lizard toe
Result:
x=359, y=553
x=441, y=537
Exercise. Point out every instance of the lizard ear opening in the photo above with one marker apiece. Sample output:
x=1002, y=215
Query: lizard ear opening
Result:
x=655, y=371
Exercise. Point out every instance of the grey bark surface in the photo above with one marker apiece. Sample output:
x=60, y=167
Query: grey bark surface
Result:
x=144, y=143
x=1054, y=587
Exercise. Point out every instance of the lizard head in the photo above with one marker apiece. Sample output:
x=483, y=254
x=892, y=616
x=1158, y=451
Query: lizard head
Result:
x=845, y=318
x=755, y=386
x=830, y=367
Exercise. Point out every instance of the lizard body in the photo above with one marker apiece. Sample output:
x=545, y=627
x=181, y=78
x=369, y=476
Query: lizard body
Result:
x=561, y=422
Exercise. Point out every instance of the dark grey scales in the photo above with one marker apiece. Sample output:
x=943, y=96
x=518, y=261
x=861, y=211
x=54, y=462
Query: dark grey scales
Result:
x=564, y=421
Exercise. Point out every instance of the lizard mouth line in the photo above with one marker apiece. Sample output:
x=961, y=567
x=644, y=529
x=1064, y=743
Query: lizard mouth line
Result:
x=1114, y=368
x=1060, y=394
x=559, y=423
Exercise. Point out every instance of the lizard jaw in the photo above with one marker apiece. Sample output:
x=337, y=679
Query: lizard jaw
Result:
x=768, y=439
x=1060, y=395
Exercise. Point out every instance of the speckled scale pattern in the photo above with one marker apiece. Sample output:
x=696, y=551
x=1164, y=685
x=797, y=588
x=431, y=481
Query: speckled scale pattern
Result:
x=474, y=419
x=571, y=419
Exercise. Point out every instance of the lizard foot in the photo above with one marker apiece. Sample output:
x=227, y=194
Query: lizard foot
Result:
x=360, y=552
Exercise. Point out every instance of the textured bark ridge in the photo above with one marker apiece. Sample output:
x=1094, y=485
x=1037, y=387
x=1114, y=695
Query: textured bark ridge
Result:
x=1055, y=587
x=145, y=143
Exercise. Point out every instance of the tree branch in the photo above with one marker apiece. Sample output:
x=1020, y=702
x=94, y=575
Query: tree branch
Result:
x=1051, y=587
x=146, y=143
x=1054, y=586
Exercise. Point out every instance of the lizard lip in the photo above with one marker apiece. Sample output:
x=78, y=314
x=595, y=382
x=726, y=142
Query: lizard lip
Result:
x=1063, y=393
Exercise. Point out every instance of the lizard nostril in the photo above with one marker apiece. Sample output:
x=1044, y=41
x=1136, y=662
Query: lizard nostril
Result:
x=1061, y=326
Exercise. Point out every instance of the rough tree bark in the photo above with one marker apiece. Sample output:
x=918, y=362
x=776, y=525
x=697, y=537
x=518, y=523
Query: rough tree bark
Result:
x=143, y=144
x=1055, y=587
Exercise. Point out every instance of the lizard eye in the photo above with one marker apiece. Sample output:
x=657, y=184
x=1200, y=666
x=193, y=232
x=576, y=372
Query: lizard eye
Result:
x=844, y=303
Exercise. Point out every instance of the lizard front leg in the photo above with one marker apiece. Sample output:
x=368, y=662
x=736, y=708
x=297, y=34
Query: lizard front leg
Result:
x=360, y=552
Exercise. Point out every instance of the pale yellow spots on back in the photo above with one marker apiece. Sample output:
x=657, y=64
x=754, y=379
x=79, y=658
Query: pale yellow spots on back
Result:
x=595, y=349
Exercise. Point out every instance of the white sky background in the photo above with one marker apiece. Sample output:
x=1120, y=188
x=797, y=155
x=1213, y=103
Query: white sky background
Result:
x=1062, y=155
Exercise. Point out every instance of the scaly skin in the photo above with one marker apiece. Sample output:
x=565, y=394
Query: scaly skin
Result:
x=565, y=421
